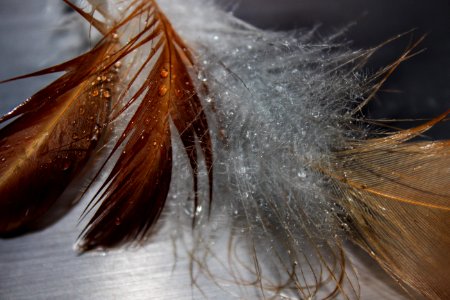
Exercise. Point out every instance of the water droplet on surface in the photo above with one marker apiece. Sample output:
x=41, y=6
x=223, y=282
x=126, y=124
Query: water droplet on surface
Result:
x=162, y=91
x=164, y=73
x=279, y=88
x=301, y=174
x=106, y=94
x=3, y=159
x=118, y=221
x=75, y=136
x=66, y=165
x=94, y=93
x=118, y=64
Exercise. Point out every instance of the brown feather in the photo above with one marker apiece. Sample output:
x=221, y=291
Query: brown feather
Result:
x=397, y=196
x=53, y=136
x=135, y=191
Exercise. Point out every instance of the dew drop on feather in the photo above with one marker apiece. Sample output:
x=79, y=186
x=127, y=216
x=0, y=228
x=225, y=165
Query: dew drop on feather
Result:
x=164, y=73
x=66, y=165
x=106, y=94
x=162, y=91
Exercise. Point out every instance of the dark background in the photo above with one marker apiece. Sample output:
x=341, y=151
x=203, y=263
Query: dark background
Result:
x=421, y=84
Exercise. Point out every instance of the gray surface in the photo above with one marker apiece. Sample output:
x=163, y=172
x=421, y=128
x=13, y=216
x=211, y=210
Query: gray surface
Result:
x=43, y=265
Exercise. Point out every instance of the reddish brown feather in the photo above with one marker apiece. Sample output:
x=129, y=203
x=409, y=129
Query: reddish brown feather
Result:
x=135, y=191
x=53, y=136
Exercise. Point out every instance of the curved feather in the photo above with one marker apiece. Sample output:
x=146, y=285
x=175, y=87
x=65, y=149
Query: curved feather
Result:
x=133, y=195
x=53, y=135
x=397, y=196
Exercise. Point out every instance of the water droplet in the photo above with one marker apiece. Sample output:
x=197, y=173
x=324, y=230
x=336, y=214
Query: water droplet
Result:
x=3, y=159
x=115, y=36
x=118, y=64
x=279, y=88
x=155, y=143
x=106, y=94
x=118, y=221
x=94, y=93
x=198, y=210
x=66, y=165
x=164, y=73
x=301, y=174
x=162, y=90
x=81, y=110
x=75, y=136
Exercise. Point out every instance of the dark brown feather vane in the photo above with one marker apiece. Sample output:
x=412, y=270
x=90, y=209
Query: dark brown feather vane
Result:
x=133, y=195
x=52, y=137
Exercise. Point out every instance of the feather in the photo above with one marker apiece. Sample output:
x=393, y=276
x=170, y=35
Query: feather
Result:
x=133, y=195
x=397, y=198
x=52, y=136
